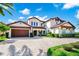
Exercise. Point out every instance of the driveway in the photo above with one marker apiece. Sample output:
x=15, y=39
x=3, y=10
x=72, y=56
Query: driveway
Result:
x=36, y=44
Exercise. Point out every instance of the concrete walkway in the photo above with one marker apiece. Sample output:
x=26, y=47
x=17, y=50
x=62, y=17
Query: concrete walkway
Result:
x=35, y=44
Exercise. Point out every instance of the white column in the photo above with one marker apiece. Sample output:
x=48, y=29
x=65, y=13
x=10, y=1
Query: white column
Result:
x=29, y=33
x=42, y=32
x=37, y=32
x=10, y=33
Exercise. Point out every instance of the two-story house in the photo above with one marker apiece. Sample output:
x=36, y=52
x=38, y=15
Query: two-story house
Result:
x=38, y=27
x=23, y=29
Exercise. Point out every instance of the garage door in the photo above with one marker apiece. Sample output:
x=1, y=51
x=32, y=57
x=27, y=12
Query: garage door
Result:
x=19, y=33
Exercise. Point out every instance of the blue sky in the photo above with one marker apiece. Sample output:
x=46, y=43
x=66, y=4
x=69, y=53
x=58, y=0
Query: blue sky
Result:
x=43, y=11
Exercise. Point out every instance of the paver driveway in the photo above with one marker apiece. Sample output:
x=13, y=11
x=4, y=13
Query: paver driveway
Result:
x=35, y=44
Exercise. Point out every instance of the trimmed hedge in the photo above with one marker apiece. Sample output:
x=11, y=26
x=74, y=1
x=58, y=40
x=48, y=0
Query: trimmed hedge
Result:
x=77, y=35
x=67, y=35
x=50, y=34
x=60, y=35
x=64, y=50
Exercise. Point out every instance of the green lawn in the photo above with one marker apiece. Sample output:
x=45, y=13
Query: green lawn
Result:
x=71, y=49
x=3, y=38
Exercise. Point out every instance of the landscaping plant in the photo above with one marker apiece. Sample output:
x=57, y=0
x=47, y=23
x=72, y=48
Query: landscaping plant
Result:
x=71, y=49
x=3, y=29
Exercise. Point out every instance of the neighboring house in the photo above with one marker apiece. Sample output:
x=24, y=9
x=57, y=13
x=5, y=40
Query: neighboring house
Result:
x=58, y=26
x=38, y=27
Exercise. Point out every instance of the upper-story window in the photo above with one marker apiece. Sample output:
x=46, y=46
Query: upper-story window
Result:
x=34, y=23
x=31, y=23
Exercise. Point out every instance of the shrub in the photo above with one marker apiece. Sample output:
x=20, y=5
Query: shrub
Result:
x=59, y=52
x=2, y=38
x=77, y=35
x=49, y=52
x=56, y=35
x=60, y=35
x=49, y=34
x=67, y=35
x=64, y=50
x=72, y=54
x=68, y=47
x=52, y=35
x=76, y=46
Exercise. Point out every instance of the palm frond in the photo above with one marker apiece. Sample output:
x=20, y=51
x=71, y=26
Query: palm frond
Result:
x=1, y=12
x=7, y=10
x=9, y=5
x=6, y=7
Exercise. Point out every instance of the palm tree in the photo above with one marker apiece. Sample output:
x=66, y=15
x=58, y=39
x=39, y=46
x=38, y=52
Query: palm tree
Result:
x=5, y=7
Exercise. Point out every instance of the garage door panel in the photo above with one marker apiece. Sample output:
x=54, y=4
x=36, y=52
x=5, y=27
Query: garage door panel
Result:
x=19, y=33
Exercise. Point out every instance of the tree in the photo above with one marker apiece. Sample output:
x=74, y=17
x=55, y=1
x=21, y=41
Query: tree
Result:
x=5, y=7
x=3, y=28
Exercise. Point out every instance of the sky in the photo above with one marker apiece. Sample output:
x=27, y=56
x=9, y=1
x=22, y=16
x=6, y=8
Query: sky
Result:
x=65, y=11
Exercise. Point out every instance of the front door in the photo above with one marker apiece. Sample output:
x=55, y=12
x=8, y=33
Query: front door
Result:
x=35, y=33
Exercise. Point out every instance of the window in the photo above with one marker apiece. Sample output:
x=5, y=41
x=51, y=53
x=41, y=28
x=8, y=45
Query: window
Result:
x=31, y=23
x=36, y=24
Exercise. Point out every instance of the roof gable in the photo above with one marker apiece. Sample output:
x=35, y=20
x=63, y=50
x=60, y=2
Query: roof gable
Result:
x=35, y=18
x=19, y=24
x=56, y=19
x=66, y=24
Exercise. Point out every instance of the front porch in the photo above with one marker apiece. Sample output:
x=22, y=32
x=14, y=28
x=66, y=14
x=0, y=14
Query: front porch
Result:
x=36, y=31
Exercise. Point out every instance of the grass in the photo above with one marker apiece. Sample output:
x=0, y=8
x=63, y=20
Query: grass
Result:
x=71, y=49
x=2, y=38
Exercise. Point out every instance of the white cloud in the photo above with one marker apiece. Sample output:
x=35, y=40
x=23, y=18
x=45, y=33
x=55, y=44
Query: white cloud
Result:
x=21, y=17
x=25, y=11
x=70, y=5
x=77, y=15
x=39, y=9
x=11, y=20
x=30, y=17
x=44, y=18
x=56, y=5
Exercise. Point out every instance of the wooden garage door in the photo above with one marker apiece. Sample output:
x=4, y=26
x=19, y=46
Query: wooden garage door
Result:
x=19, y=33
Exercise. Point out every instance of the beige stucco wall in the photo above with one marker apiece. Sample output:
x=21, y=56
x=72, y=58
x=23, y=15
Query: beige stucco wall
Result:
x=61, y=31
x=67, y=24
x=54, y=30
x=34, y=20
x=20, y=24
x=38, y=29
x=51, y=23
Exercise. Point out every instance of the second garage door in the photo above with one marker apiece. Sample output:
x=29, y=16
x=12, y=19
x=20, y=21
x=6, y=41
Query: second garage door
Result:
x=19, y=33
